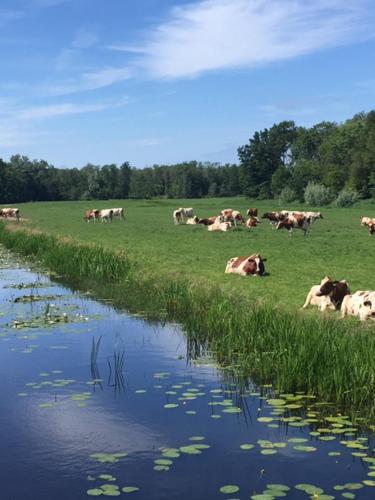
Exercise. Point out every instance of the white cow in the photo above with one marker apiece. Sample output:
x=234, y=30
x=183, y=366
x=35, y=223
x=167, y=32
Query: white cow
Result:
x=361, y=304
x=106, y=215
x=118, y=212
x=220, y=226
x=186, y=212
x=193, y=220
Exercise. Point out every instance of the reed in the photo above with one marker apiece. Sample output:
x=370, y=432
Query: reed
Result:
x=295, y=351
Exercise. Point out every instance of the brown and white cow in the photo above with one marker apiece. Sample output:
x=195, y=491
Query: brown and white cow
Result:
x=220, y=226
x=274, y=217
x=252, y=222
x=10, y=212
x=366, y=221
x=209, y=221
x=361, y=304
x=91, y=215
x=246, y=266
x=295, y=222
x=252, y=212
x=232, y=216
x=328, y=294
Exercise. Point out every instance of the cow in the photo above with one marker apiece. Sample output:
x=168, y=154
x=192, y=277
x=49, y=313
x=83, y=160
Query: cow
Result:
x=361, y=304
x=106, y=215
x=10, y=212
x=371, y=229
x=177, y=216
x=209, y=221
x=193, y=220
x=274, y=217
x=336, y=290
x=328, y=294
x=118, y=212
x=186, y=212
x=232, y=216
x=252, y=222
x=295, y=222
x=252, y=212
x=91, y=215
x=313, y=216
x=366, y=221
x=219, y=226
x=246, y=266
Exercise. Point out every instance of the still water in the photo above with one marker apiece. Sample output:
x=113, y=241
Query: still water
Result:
x=94, y=400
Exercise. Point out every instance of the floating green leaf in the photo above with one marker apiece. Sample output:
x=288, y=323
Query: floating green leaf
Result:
x=229, y=488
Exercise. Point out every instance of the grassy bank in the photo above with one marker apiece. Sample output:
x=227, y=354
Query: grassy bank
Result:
x=335, y=360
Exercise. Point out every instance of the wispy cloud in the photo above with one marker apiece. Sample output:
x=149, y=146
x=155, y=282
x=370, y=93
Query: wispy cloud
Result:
x=89, y=81
x=219, y=34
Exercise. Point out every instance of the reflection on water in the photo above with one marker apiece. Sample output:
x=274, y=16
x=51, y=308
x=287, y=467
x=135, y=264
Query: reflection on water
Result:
x=101, y=401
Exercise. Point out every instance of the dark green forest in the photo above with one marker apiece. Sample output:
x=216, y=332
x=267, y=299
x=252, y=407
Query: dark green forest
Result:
x=276, y=162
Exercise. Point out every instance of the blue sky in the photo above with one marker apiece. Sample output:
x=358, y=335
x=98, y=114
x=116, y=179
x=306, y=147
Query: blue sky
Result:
x=164, y=81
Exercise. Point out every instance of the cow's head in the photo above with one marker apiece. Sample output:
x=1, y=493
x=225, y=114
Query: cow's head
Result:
x=255, y=265
x=326, y=286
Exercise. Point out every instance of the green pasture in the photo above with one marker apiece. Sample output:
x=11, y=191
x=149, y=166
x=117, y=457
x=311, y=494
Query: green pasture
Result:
x=336, y=246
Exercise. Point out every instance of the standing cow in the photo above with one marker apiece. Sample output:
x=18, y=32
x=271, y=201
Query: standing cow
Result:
x=296, y=221
x=91, y=215
x=106, y=215
x=10, y=212
x=118, y=212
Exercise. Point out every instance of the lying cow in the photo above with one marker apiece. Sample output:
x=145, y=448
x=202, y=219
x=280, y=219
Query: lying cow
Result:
x=209, y=221
x=361, y=304
x=91, y=215
x=219, y=226
x=295, y=222
x=10, y=212
x=246, y=266
x=193, y=220
x=328, y=294
x=252, y=222
x=252, y=212
x=106, y=215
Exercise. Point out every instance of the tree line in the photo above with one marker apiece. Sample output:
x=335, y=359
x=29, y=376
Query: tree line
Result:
x=283, y=157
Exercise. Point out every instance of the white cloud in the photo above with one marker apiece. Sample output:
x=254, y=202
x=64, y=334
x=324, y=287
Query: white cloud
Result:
x=219, y=34
x=90, y=81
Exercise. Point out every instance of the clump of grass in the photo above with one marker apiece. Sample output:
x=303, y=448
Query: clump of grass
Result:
x=295, y=351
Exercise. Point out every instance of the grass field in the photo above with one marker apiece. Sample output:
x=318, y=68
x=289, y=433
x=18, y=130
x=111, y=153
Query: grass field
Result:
x=336, y=246
x=252, y=326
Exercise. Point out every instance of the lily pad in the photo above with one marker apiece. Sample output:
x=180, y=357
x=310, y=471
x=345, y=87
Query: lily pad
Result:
x=229, y=488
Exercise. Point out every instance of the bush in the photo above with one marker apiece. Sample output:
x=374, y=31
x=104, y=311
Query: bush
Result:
x=346, y=198
x=317, y=195
x=287, y=195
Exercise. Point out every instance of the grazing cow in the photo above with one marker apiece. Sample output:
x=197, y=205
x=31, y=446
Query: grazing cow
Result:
x=246, y=266
x=219, y=226
x=106, y=215
x=177, y=216
x=252, y=222
x=91, y=215
x=366, y=221
x=274, y=217
x=118, y=212
x=186, y=212
x=193, y=220
x=361, y=304
x=10, y=212
x=328, y=294
x=295, y=222
x=232, y=216
x=252, y=212
x=209, y=221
